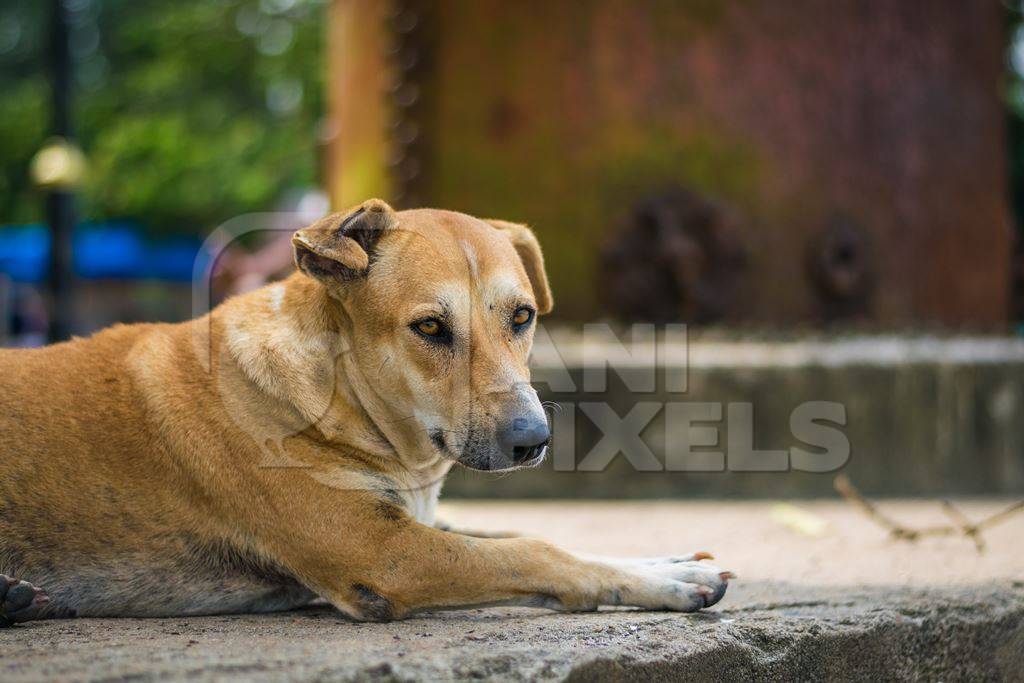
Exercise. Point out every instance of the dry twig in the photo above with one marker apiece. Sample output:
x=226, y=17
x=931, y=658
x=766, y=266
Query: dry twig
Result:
x=961, y=524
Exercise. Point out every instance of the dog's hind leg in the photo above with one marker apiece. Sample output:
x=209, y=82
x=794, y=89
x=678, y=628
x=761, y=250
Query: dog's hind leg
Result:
x=19, y=601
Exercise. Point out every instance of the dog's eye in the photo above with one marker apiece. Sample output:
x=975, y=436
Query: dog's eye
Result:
x=429, y=328
x=522, y=316
x=433, y=330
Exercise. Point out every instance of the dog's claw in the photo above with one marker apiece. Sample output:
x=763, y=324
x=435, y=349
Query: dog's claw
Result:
x=19, y=601
x=716, y=595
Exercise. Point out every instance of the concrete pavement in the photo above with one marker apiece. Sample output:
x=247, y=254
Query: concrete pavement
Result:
x=845, y=604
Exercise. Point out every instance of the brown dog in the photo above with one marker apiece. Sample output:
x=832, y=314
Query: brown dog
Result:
x=293, y=442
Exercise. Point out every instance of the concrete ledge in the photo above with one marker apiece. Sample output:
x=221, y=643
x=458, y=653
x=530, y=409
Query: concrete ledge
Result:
x=852, y=606
x=924, y=417
x=768, y=632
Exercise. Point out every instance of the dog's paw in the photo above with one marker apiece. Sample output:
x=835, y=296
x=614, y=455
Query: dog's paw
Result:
x=19, y=601
x=680, y=583
x=698, y=573
x=646, y=562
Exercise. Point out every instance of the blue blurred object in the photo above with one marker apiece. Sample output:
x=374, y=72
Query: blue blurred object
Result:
x=101, y=251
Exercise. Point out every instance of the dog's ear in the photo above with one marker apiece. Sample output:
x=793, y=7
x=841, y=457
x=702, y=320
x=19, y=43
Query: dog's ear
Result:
x=338, y=247
x=528, y=248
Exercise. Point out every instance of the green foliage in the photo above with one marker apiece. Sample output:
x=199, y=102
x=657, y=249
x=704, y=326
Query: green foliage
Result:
x=189, y=112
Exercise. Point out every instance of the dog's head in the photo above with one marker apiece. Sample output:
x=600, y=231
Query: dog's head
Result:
x=439, y=310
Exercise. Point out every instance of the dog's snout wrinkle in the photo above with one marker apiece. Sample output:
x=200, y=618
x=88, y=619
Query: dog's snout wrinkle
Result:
x=508, y=389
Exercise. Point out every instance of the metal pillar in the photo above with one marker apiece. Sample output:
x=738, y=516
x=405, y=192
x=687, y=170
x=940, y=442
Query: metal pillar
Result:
x=60, y=201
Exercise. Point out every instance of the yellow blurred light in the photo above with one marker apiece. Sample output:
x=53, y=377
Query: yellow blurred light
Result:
x=58, y=165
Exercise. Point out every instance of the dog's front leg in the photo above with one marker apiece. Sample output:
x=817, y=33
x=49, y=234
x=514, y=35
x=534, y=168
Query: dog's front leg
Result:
x=415, y=567
x=475, y=533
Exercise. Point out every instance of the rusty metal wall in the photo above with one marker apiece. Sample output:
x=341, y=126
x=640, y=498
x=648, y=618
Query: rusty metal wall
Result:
x=774, y=163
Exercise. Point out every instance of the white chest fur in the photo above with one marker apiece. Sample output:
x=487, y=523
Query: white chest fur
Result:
x=422, y=501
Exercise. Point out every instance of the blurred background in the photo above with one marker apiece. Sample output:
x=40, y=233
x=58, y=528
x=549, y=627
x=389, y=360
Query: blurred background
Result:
x=829, y=192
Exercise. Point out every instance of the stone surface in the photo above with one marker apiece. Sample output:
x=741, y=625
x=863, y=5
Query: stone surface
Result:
x=746, y=538
x=825, y=607
x=773, y=631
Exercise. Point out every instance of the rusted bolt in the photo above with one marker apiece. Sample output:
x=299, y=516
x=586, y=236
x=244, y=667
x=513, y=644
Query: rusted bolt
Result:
x=676, y=257
x=842, y=267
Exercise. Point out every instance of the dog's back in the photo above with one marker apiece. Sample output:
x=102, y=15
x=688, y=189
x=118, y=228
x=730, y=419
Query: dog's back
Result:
x=54, y=401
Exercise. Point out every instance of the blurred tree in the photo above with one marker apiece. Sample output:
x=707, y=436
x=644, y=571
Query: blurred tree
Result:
x=190, y=112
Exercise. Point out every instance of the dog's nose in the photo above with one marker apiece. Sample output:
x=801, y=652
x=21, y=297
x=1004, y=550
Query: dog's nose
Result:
x=524, y=438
